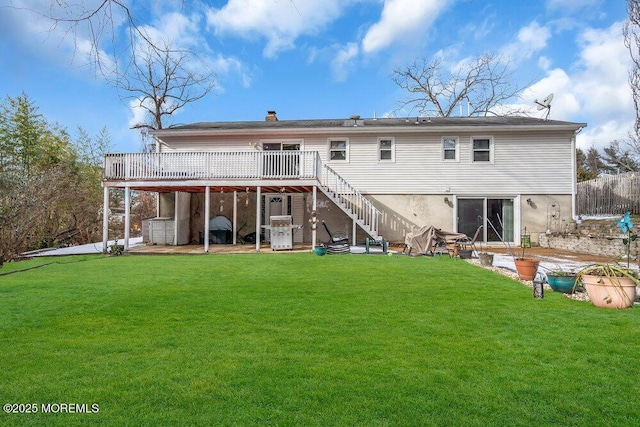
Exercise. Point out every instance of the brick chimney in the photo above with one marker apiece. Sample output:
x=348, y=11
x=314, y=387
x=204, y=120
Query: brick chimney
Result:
x=271, y=116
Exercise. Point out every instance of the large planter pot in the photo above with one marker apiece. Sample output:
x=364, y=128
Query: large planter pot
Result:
x=486, y=259
x=603, y=293
x=527, y=268
x=564, y=284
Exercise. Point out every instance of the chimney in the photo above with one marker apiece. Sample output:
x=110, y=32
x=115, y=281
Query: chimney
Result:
x=271, y=116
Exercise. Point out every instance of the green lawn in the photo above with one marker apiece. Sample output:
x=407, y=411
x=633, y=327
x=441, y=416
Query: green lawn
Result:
x=297, y=339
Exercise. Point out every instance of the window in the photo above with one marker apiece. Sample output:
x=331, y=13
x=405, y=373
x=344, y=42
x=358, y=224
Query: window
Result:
x=338, y=150
x=386, y=149
x=450, y=149
x=481, y=150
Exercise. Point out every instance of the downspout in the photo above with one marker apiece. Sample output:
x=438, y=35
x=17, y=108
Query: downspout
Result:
x=574, y=174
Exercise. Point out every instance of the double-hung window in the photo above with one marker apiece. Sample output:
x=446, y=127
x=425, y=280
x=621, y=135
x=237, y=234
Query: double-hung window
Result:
x=386, y=149
x=450, y=149
x=481, y=148
x=339, y=150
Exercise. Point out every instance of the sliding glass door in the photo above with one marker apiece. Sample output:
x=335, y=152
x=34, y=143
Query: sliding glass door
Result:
x=496, y=216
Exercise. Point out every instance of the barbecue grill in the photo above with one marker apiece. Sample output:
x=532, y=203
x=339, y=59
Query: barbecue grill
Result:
x=281, y=227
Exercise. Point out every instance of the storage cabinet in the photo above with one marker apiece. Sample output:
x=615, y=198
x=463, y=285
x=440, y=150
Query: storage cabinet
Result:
x=161, y=231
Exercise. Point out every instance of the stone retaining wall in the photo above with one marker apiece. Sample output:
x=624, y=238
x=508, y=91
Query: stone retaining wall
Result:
x=596, y=237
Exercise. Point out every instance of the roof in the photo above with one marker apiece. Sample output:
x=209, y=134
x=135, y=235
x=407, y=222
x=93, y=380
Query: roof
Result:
x=356, y=124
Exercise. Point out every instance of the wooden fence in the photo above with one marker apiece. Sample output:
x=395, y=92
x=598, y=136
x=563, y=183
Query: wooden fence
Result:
x=609, y=195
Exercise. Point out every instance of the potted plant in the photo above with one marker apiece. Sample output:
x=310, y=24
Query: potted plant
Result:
x=562, y=281
x=612, y=285
x=526, y=267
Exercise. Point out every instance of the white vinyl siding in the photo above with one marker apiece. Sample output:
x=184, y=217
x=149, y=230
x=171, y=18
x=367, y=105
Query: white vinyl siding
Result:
x=531, y=162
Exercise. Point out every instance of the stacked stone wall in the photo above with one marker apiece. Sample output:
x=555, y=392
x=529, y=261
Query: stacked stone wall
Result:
x=596, y=237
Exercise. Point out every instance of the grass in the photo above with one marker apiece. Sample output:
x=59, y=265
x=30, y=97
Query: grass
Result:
x=296, y=339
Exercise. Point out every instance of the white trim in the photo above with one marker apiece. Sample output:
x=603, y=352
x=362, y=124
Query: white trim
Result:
x=491, y=149
x=456, y=148
x=392, y=149
x=346, y=149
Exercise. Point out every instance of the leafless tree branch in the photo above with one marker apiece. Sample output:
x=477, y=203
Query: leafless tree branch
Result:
x=484, y=83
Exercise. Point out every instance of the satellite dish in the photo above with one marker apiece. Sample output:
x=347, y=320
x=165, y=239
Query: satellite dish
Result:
x=545, y=104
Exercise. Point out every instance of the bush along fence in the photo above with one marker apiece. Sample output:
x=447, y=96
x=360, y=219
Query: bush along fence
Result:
x=609, y=195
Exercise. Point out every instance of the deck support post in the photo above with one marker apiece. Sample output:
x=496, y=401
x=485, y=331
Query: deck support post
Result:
x=105, y=220
x=353, y=231
x=258, y=214
x=314, y=232
x=207, y=206
x=127, y=216
x=175, y=218
x=235, y=216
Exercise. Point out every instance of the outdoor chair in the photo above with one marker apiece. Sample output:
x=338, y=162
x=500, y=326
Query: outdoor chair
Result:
x=466, y=242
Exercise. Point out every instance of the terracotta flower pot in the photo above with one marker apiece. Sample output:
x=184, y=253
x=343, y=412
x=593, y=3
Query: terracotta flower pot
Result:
x=527, y=268
x=603, y=293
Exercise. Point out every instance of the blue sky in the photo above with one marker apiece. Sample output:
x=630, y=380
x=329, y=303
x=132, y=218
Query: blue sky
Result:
x=333, y=58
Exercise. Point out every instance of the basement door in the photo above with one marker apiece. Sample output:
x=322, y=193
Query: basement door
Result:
x=495, y=215
x=284, y=204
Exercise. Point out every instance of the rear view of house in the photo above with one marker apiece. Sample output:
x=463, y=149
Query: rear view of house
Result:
x=364, y=177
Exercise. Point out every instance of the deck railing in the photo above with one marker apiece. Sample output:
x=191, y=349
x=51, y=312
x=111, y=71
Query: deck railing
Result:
x=350, y=198
x=212, y=165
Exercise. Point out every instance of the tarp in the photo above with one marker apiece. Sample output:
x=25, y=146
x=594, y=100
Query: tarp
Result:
x=423, y=239
x=220, y=222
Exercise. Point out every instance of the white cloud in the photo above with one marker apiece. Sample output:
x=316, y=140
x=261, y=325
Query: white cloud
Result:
x=342, y=62
x=139, y=114
x=596, y=86
x=280, y=22
x=530, y=40
x=401, y=18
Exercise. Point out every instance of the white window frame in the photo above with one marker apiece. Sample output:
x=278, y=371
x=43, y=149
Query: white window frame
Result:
x=456, y=148
x=392, y=149
x=283, y=142
x=472, y=150
x=346, y=150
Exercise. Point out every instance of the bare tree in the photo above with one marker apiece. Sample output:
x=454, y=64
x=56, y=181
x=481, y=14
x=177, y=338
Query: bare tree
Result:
x=631, y=31
x=483, y=86
x=159, y=77
x=163, y=80
x=99, y=23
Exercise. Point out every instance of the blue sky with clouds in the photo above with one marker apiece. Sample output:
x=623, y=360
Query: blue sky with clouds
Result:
x=332, y=58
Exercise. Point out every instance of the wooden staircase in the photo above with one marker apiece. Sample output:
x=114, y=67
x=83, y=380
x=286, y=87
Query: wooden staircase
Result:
x=351, y=202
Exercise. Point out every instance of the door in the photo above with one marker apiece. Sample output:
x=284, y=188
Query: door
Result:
x=495, y=215
x=275, y=204
x=281, y=159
